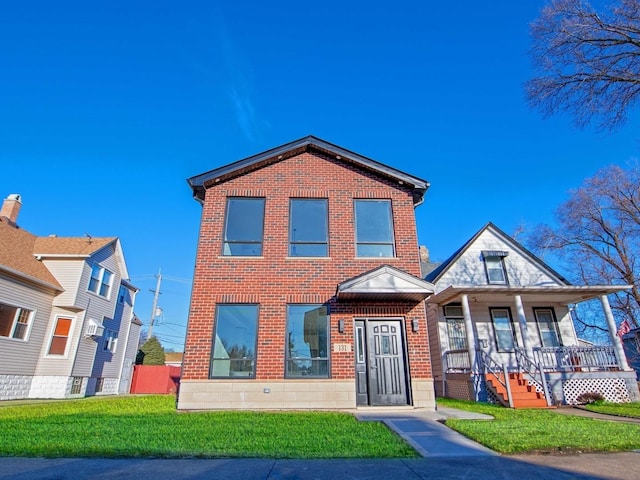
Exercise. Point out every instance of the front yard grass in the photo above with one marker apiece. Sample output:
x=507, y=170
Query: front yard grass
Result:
x=541, y=431
x=149, y=426
x=621, y=409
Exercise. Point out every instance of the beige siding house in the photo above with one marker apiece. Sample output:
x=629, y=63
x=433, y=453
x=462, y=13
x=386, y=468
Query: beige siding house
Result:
x=66, y=314
x=501, y=329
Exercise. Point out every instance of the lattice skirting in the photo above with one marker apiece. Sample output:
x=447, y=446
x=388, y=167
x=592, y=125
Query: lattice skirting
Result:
x=613, y=389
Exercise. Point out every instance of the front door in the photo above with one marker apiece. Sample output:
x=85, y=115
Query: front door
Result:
x=380, y=363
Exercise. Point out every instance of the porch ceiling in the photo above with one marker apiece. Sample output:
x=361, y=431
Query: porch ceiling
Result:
x=563, y=294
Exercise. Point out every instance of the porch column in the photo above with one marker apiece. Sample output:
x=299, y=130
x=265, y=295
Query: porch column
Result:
x=524, y=329
x=615, y=340
x=471, y=338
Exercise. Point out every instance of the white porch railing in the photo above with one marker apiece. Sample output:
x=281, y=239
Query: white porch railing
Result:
x=576, y=359
x=457, y=361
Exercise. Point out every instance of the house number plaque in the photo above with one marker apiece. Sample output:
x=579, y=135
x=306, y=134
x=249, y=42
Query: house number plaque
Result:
x=341, y=347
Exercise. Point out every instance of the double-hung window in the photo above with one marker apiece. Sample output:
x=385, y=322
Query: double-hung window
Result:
x=456, y=329
x=244, y=227
x=374, y=228
x=308, y=230
x=494, y=266
x=14, y=321
x=110, y=340
x=307, y=341
x=503, y=327
x=547, y=326
x=60, y=337
x=100, y=281
x=234, y=341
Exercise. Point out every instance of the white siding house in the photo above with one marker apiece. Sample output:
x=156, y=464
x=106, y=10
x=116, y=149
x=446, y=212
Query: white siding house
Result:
x=501, y=317
x=66, y=314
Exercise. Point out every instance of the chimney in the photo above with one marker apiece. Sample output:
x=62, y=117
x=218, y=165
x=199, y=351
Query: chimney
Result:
x=11, y=208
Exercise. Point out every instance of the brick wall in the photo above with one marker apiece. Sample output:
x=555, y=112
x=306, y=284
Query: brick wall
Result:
x=274, y=280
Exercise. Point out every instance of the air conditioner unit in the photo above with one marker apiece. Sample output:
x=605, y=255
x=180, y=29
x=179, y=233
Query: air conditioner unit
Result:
x=93, y=329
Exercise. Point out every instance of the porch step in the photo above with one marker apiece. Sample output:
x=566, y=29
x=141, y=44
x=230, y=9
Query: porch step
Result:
x=523, y=395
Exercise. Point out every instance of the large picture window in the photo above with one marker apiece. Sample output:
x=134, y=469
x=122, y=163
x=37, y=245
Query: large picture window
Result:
x=547, y=326
x=308, y=227
x=14, y=321
x=60, y=336
x=100, y=281
x=307, y=348
x=503, y=327
x=234, y=343
x=244, y=227
x=374, y=228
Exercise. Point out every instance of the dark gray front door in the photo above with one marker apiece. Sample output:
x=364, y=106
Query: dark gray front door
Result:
x=380, y=363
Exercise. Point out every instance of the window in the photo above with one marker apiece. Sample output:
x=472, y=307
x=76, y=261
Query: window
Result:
x=234, y=345
x=14, y=321
x=99, y=384
x=244, y=227
x=122, y=294
x=456, y=329
x=110, y=340
x=374, y=228
x=503, y=328
x=100, y=281
x=494, y=266
x=76, y=386
x=307, y=348
x=308, y=228
x=547, y=326
x=60, y=336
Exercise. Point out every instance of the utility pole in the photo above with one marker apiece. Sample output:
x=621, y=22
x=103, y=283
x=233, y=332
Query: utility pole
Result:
x=156, y=293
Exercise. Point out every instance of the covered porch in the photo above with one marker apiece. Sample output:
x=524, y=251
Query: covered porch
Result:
x=517, y=346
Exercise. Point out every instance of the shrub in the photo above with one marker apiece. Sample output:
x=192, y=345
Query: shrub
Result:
x=589, y=397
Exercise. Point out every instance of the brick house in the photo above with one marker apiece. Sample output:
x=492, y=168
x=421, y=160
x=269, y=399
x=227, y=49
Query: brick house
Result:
x=307, y=289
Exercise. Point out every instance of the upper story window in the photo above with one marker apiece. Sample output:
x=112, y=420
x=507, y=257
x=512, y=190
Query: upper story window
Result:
x=308, y=230
x=234, y=342
x=374, y=228
x=100, y=281
x=494, y=266
x=14, y=321
x=122, y=294
x=244, y=227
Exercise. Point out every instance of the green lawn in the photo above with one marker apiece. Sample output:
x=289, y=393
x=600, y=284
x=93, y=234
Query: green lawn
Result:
x=531, y=430
x=144, y=426
x=622, y=409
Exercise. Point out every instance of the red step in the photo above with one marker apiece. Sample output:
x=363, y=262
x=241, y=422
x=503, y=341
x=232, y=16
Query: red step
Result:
x=523, y=395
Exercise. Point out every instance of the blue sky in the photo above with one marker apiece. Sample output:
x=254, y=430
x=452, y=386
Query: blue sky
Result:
x=106, y=108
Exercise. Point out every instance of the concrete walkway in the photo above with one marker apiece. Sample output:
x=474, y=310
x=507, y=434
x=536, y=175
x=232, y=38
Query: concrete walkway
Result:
x=424, y=431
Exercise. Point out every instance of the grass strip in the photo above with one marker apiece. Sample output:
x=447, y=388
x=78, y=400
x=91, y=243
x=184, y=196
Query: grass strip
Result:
x=541, y=431
x=620, y=409
x=149, y=426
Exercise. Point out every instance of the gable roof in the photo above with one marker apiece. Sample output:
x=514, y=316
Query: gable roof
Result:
x=16, y=256
x=70, y=246
x=435, y=274
x=200, y=183
x=384, y=282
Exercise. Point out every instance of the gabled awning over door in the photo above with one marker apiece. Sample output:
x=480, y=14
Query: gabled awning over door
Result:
x=383, y=284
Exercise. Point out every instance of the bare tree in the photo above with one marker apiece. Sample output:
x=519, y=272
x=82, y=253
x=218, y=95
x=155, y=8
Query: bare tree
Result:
x=589, y=61
x=598, y=235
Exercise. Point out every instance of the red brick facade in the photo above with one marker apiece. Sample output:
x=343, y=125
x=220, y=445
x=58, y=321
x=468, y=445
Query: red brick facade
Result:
x=274, y=279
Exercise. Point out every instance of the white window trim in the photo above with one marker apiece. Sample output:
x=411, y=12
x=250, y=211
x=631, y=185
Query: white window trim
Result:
x=69, y=337
x=14, y=324
x=100, y=280
x=110, y=339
